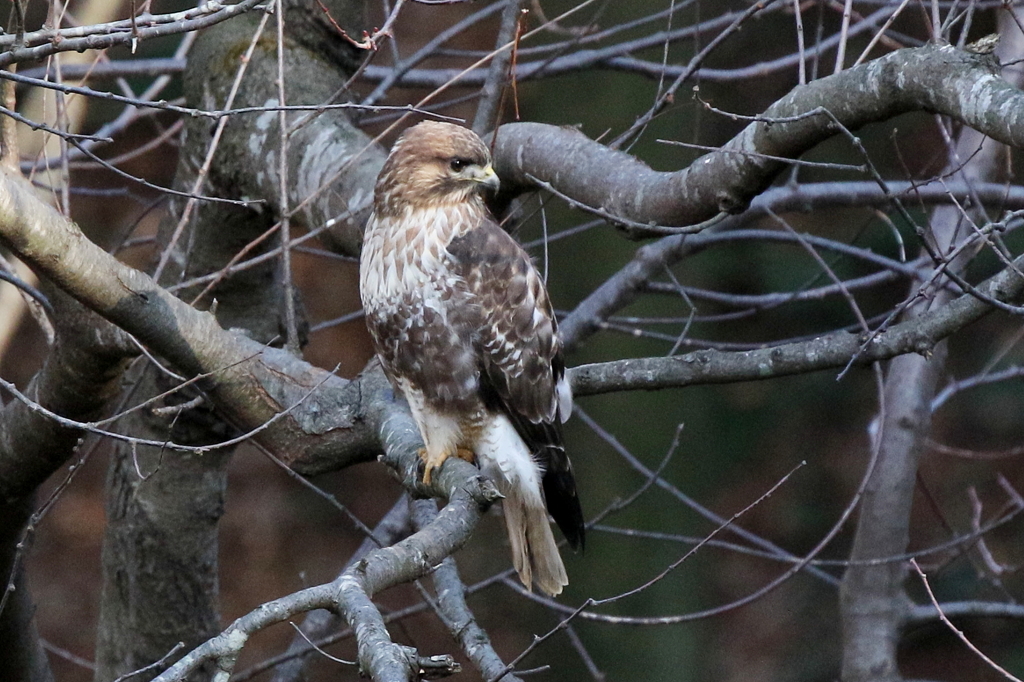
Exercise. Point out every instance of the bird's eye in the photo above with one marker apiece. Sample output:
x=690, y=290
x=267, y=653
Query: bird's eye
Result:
x=458, y=165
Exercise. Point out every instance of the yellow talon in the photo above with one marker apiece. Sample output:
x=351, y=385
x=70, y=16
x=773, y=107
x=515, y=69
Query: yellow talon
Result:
x=429, y=463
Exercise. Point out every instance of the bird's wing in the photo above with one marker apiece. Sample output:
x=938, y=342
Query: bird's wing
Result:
x=522, y=373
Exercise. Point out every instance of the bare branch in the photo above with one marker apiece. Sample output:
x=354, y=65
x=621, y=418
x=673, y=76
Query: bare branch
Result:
x=451, y=600
x=919, y=335
x=960, y=635
x=939, y=79
x=394, y=526
x=250, y=382
x=100, y=36
x=350, y=593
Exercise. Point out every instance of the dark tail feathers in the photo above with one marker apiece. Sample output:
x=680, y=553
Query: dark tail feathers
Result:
x=560, y=495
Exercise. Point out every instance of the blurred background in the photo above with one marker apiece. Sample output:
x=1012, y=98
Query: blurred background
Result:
x=735, y=441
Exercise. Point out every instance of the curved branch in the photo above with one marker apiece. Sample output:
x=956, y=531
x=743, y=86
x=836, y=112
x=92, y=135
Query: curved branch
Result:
x=831, y=351
x=651, y=259
x=458, y=618
x=469, y=496
x=46, y=42
x=249, y=382
x=81, y=373
x=320, y=623
x=944, y=80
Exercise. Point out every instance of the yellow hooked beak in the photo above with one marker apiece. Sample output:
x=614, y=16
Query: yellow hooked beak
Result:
x=486, y=177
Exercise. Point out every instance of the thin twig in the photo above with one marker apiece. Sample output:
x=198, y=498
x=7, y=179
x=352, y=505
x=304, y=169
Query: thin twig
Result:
x=956, y=631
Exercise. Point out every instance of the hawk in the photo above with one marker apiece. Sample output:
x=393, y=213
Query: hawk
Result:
x=463, y=326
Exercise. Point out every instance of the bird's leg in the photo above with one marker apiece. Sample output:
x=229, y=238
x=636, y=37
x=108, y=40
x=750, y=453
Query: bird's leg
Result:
x=431, y=463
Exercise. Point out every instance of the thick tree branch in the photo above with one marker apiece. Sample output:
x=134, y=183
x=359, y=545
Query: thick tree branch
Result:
x=451, y=601
x=469, y=496
x=249, y=382
x=81, y=373
x=836, y=350
x=938, y=79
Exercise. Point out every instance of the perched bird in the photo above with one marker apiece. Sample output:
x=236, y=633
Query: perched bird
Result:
x=464, y=329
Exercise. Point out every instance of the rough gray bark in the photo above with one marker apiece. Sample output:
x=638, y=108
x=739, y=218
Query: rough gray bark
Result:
x=22, y=657
x=874, y=604
x=332, y=165
x=161, y=545
x=81, y=373
x=937, y=79
x=159, y=550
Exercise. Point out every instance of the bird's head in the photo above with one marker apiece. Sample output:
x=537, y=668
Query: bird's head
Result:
x=433, y=164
